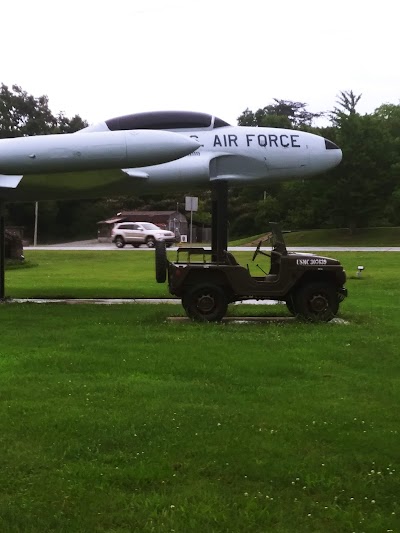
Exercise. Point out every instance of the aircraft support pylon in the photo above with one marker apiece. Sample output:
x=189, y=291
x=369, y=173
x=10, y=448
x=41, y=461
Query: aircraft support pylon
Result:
x=2, y=250
x=219, y=220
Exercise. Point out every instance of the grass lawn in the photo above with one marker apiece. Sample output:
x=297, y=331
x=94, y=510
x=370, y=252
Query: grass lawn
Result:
x=123, y=274
x=115, y=420
x=86, y=274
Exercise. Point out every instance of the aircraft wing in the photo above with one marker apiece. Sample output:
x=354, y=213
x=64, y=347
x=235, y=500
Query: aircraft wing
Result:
x=115, y=182
x=71, y=185
x=135, y=173
x=9, y=182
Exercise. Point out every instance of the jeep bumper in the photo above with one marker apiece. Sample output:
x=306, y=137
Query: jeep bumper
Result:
x=342, y=294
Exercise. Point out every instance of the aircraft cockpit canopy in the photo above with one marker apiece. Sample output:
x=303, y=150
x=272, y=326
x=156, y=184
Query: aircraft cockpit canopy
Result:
x=166, y=120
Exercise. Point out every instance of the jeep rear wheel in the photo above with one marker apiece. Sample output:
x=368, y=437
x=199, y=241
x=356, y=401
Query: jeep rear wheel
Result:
x=205, y=303
x=161, y=261
x=119, y=242
x=316, y=302
x=290, y=305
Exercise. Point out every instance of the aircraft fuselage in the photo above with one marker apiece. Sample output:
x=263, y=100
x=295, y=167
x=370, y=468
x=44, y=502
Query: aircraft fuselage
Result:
x=240, y=155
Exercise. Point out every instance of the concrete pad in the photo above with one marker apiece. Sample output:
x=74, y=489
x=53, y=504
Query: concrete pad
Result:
x=257, y=319
x=96, y=301
x=339, y=321
x=240, y=319
x=118, y=301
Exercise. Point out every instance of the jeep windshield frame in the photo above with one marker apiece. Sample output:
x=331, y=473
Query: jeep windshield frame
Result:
x=276, y=239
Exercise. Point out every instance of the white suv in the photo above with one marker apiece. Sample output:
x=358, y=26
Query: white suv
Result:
x=137, y=233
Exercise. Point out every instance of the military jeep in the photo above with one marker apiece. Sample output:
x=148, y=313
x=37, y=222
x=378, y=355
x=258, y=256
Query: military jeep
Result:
x=312, y=286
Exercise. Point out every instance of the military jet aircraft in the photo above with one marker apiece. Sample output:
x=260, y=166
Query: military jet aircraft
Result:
x=149, y=152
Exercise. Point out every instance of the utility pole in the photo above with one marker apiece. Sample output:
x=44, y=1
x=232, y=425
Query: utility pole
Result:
x=36, y=223
x=191, y=204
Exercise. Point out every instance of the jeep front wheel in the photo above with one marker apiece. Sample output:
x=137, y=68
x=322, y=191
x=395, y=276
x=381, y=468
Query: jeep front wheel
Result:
x=119, y=242
x=150, y=241
x=205, y=303
x=316, y=302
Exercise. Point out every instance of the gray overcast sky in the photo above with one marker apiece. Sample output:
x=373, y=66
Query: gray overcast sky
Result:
x=101, y=59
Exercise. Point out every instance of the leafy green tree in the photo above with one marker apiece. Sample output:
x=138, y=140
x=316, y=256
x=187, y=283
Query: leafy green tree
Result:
x=364, y=180
x=69, y=125
x=267, y=210
x=281, y=114
x=347, y=102
x=22, y=114
x=389, y=115
x=393, y=207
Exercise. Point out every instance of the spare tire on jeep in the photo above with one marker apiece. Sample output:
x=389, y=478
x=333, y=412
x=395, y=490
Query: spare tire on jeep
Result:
x=160, y=253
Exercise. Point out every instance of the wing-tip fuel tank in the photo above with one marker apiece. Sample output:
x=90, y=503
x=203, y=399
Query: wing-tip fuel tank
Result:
x=91, y=151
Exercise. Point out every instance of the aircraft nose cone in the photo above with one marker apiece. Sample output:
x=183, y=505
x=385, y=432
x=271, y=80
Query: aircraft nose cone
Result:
x=173, y=145
x=190, y=143
x=158, y=146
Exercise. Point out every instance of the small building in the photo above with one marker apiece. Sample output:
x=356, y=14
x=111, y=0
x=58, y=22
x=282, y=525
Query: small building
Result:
x=13, y=245
x=170, y=220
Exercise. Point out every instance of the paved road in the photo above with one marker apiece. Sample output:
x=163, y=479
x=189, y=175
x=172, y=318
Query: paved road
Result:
x=95, y=245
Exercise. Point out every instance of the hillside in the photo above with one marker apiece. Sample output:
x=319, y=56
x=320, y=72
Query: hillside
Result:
x=334, y=237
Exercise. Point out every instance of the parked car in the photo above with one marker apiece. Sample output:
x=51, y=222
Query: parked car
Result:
x=137, y=233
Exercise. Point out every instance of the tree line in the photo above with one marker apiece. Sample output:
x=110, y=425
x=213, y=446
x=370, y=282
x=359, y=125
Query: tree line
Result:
x=364, y=190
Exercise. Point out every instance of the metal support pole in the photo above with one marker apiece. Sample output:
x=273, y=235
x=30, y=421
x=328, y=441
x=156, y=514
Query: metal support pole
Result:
x=214, y=222
x=36, y=224
x=2, y=250
x=219, y=222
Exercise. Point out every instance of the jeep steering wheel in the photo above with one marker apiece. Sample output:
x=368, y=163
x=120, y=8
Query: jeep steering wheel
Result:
x=259, y=251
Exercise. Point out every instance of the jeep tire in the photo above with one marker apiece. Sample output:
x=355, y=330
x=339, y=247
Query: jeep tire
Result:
x=316, y=301
x=160, y=253
x=205, y=302
x=291, y=305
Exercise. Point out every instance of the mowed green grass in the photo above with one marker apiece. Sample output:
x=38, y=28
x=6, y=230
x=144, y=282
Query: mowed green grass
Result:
x=86, y=274
x=131, y=274
x=114, y=419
